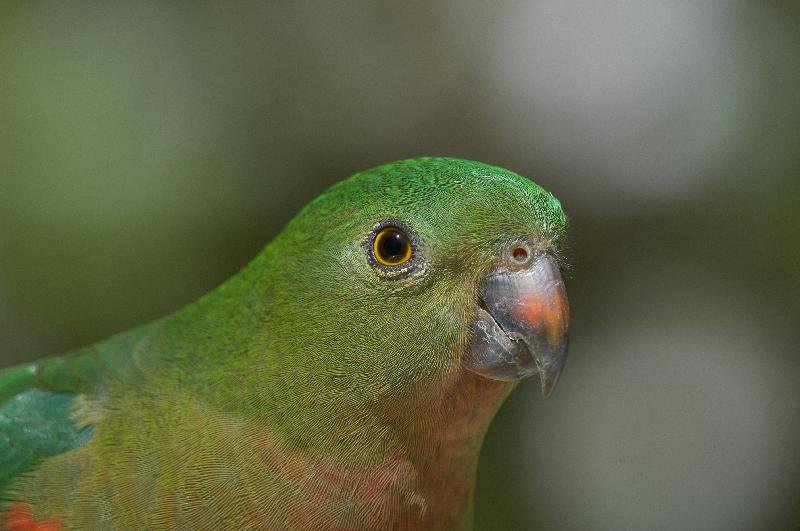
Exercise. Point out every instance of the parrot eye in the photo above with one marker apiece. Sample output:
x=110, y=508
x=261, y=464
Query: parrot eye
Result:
x=392, y=249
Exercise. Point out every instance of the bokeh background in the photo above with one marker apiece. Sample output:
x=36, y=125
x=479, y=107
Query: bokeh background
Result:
x=149, y=149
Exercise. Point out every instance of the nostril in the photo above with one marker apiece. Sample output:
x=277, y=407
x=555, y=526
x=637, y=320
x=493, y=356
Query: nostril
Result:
x=520, y=254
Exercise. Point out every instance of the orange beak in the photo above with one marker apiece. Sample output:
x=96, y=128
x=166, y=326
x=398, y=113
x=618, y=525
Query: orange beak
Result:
x=522, y=327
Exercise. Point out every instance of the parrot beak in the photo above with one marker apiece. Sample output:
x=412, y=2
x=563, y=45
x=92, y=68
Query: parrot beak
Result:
x=522, y=324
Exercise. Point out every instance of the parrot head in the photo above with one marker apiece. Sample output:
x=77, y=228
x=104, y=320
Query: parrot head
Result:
x=411, y=272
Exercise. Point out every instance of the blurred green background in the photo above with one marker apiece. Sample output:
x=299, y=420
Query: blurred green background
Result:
x=149, y=150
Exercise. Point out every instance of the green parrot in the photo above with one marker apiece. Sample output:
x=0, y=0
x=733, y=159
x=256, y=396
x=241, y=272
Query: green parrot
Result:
x=344, y=379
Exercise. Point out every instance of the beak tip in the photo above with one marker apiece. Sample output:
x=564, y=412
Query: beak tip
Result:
x=548, y=376
x=547, y=389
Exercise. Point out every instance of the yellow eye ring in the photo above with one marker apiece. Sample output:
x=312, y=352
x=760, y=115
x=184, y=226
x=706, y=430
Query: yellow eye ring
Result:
x=391, y=247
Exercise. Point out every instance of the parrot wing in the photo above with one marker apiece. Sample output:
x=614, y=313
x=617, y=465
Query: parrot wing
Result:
x=37, y=405
x=47, y=407
x=34, y=424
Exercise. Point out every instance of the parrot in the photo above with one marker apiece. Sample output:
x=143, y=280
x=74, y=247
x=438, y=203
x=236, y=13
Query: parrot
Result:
x=343, y=379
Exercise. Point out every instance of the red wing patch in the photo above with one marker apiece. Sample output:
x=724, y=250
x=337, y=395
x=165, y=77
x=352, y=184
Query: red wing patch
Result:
x=20, y=517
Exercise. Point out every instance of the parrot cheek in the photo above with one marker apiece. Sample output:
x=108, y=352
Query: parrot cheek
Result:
x=522, y=325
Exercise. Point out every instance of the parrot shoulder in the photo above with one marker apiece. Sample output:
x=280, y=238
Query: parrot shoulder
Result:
x=36, y=424
x=48, y=407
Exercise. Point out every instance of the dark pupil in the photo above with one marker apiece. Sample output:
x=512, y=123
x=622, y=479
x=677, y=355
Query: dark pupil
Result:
x=393, y=246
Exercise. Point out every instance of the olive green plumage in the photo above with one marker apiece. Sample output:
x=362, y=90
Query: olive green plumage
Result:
x=307, y=391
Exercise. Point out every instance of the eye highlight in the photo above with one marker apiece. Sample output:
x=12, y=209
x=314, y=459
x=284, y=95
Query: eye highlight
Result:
x=391, y=247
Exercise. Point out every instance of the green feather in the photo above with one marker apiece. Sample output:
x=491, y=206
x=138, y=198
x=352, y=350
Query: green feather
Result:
x=36, y=424
x=307, y=391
